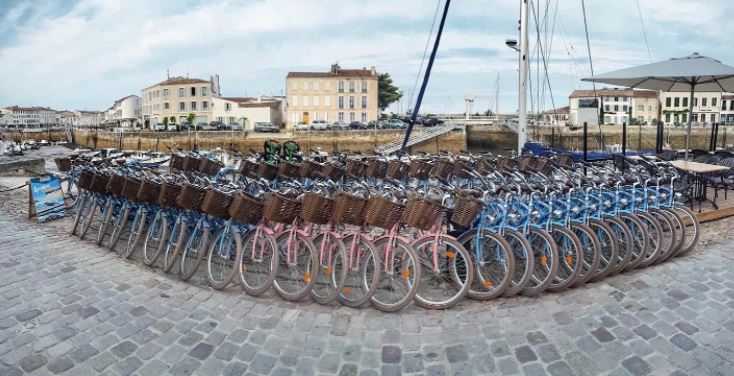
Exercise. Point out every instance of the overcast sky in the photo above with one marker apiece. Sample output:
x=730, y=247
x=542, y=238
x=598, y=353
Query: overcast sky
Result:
x=84, y=54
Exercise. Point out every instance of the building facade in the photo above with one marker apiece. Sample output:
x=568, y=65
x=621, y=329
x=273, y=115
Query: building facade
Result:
x=559, y=116
x=126, y=112
x=17, y=117
x=613, y=106
x=177, y=97
x=247, y=111
x=727, y=109
x=706, y=108
x=338, y=95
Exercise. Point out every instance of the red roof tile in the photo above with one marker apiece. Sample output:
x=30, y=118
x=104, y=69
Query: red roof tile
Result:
x=605, y=92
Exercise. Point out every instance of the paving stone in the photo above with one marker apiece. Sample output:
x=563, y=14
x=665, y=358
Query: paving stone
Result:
x=59, y=365
x=525, y=354
x=603, y=335
x=548, y=353
x=10, y=371
x=348, y=370
x=588, y=344
x=102, y=361
x=533, y=369
x=329, y=363
x=456, y=354
x=636, y=366
x=128, y=366
x=560, y=368
x=28, y=315
x=201, y=351
x=536, y=338
x=83, y=353
x=234, y=369
x=226, y=351
x=262, y=364
x=507, y=366
x=686, y=327
x=185, y=367
x=683, y=341
x=32, y=362
x=124, y=349
x=645, y=331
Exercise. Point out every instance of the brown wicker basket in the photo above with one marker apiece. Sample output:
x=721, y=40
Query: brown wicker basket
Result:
x=505, y=164
x=376, y=169
x=483, y=165
x=191, y=196
x=130, y=188
x=246, y=208
x=63, y=164
x=289, y=170
x=99, y=182
x=465, y=210
x=563, y=160
x=462, y=169
x=316, y=209
x=216, y=203
x=149, y=191
x=114, y=185
x=191, y=163
x=383, y=213
x=348, y=209
x=210, y=167
x=85, y=179
x=356, y=169
x=169, y=194
x=281, y=209
x=266, y=171
x=397, y=170
x=421, y=213
x=177, y=161
x=309, y=169
x=441, y=170
x=247, y=167
x=526, y=163
x=419, y=170
x=332, y=172
x=542, y=166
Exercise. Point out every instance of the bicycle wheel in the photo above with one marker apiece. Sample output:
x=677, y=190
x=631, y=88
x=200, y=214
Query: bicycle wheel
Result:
x=692, y=229
x=592, y=253
x=221, y=259
x=119, y=226
x=401, y=273
x=609, y=249
x=493, y=263
x=363, y=272
x=194, y=251
x=136, y=232
x=175, y=242
x=678, y=232
x=570, y=253
x=107, y=215
x=545, y=254
x=639, y=239
x=88, y=217
x=446, y=280
x=294, y=278
x=155, y=239
x=257, y=261
x=654, y=239
x=81, y=208
x=624, y=239
x=522, y=253
x=332, y=270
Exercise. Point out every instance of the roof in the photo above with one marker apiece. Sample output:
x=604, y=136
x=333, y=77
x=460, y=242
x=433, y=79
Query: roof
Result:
x=337, y=71
x=238, y=99
x=34, y=108
x=728, y=96
x=558, y=111
x=179, y=81
x=606, y=92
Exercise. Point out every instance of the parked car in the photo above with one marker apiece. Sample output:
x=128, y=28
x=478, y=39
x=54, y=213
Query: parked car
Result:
x=160, y=127
x=185, y=125
x=432, y=121
x=339, y=125
x=205, y=127
x=217, y=124
x=263, y=126
x=44, y=143
x=357, y=125
x=395, y=124
x=171, y=127
x=320, y=125
x=235, y=127
x=301, y=126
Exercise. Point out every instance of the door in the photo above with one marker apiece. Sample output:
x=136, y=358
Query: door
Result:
x=306, y=118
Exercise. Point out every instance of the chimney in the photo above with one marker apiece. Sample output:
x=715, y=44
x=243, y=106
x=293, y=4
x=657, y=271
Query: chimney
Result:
x=335, y=68
x=374, y=72
x=214, y=80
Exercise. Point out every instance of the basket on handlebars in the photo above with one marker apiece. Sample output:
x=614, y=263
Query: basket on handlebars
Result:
x=177, y=162
x=462, y=169
x=465, y=210
x=332, y=172
x=356, y=169
x=216, y=203
x=289, y=170
x=422, y=213
x=85, y=179
x=441, y=170
x=316, y=208
x=483, y=165
x=542, y=166
x=383, y=213
x=349, y=209
x=419, y=170
x=266, y=171
x=563, y=160
x=526, y=163
x=376, y=169
x=130, y=188
x=115, y=184
x=191, y=196
x=169, y=194
x=505, y=164
x=149, y=191
x=246, y=208
x=63, y=164
x=281, y=209
x=210, y=167
x=309, y=169
x=247, y=167
x=99, y=182
x=191, y=163
x=397, y=170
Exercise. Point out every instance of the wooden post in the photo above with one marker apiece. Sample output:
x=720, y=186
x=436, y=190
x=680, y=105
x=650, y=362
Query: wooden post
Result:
x=624, y=138
x=586, y=143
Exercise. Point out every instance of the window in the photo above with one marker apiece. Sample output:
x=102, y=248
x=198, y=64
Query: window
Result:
x=624, y=108
x=340, y=116
x=327, y=85
x=624, y=99
x=315, y=100
x=227, y=106
x=713, y=102
x=165, y=92
x=731, y=105
x=694, y=118
x=364, y=117
x=703, y=116
x=203, y=91
x=723, y=104
x=616, y=99
x=677, y=102
x=193, y=106
x=193, y=91
x=231, y=119
x=684, y=118
x=294, y=85
x=616, y=108
x=685, y=101
x=667, y=118
x=181, y=92
x=649, y=108
x=364, y=86
x=351, y=102
x=675, y=118
x=695, y=102
x=341, y=86
x=294, y=118
x=220, y=118
x=351, y=117
x=364, y=101
x=157, y=93
x=327, y=101
x=341, y=102
x=295, y=100
x=703, y=102
x=166, y=106
x=304, y=85
x=667, y=102
x=204, y=105
x=641, y=107
x=181, y=106
x=316, y=85
x=606, y=107
x=713, y=118
x=351, y=86
x=326, y=116
x=305, y=100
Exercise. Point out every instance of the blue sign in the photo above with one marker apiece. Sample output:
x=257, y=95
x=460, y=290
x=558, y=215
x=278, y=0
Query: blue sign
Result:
x=47, y=198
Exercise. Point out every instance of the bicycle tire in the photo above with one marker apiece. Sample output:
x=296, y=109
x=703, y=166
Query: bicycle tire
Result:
x=492, y=272
x=407, y=257
x=107, y=215
x=78, y=212
x=158, y=233
x=609, y=249
x=362, y=279
x=119, y=226
x=624, y=238
x=136, y=231
x=640, y=240
x=570, y=253
x=524, y=262
x=197, y=242
x=592, y=252
x=654, y=239
x=87, y=219
x=222, y=253
x=459, y=272
x=679, y=232
x=289, y=277
x=174, y=243
x=265, y=267
x=330, y=279
x=692, y=229
x=545, y=253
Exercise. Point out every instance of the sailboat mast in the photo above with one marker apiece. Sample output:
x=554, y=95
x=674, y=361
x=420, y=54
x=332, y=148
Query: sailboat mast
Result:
x=522, y=108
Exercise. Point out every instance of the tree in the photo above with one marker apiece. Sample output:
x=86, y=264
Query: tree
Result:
x=190, y=118
x=165, y=121
x=387, y=93
x=172, y=120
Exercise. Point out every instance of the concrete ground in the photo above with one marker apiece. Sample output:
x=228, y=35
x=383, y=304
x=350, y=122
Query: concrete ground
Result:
x=69, y=307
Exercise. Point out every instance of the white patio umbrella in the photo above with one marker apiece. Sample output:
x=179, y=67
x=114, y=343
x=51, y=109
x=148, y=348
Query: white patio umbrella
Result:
x=693, y=73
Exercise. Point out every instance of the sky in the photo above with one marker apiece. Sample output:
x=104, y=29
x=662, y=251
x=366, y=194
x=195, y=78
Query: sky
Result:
x=85, y=54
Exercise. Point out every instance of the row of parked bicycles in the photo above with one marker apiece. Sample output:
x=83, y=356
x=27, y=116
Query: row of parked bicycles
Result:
x=429, y=229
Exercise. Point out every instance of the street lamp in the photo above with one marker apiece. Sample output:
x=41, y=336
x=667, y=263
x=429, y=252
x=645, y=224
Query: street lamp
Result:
x=512, y=43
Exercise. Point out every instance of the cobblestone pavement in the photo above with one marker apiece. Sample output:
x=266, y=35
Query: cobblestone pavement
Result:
x=68, y=307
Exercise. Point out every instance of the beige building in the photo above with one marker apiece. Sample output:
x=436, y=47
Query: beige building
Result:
x=706, y=108
x=247, y=111
x=177, y=97
x=338, y=95
x=124, y=113
x=558, y=116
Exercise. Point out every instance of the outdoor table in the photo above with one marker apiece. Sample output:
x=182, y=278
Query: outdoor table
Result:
x=700, y=173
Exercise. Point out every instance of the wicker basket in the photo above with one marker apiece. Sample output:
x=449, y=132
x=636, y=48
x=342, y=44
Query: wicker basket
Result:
x=85, y=179
x=348, y=209
x=465, y=210
x=421, y=213
x=383, y=213
x=505, y=164
x=266, y=171
x=99, y=182
x=483, y=165
x=63, y=164
x=563, y=160
x=376, y=169
x=462, y=169
x=177, y=162
x=246, y=209
x=289, y=170
x=309, y=169
x=542, y=166
x=210, y=167
x=281, y=209
x=191, y=196
x=149, y=191
x=114, y=185
x=441, y=170
x=356, y=169
x=526, y=163
x=216, y=203
x=332, y=172
x=130, y=188
x=169, y=194
x=419, y=170
x=191, y=163
x=316, y=209
x=397, y=170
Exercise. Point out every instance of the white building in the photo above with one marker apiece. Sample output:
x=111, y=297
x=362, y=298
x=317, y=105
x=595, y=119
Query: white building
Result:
x=29, y=117
x=727, y=109
x=613, y=106
x=558, y=116
x=247, y=111
x=706, y=108
x=126, y=112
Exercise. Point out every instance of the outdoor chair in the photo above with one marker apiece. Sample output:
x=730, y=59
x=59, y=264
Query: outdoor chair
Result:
x=667, y=155
x=723, y=181
x=697, y=153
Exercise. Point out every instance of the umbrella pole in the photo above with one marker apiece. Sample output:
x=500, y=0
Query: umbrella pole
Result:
x=690, y=116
